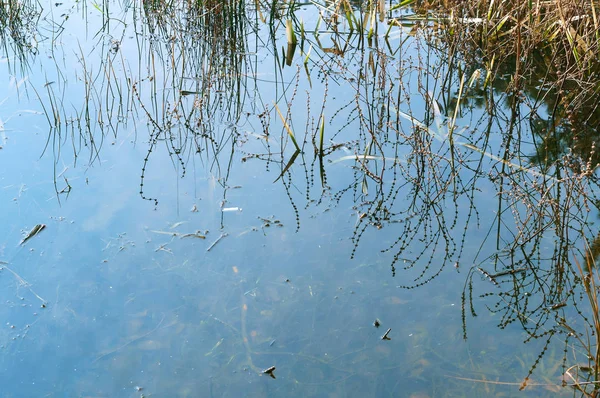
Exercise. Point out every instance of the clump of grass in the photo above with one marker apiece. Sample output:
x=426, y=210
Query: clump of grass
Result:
x=567, y=32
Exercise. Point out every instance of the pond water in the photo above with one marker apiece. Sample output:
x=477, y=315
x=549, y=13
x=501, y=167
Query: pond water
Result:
x=211, y=213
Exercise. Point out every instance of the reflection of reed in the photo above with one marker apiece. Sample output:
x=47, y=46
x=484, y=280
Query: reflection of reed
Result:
x=593, y=252
x=19, y=31
x=423, y=179
x=190, y=86
x=423, y=137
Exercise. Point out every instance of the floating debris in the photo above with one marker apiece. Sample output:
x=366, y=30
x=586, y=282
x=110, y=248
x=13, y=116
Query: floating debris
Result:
x=229, y=209
x=177, y=224
x=214, y=348
x=163, y=248
x=269, y=371
x=35, y=230
x=377, y=323
x=491, y=278
x=385, y=336
x=224, y=234
x=267, y=222
x=509, y=272
x=197, y=234
x=194, y=209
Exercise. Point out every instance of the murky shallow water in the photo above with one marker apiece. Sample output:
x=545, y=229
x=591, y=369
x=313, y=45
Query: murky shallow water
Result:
x=232, y=273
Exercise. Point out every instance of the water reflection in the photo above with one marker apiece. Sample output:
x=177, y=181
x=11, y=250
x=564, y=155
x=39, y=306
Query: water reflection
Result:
x=396, y=167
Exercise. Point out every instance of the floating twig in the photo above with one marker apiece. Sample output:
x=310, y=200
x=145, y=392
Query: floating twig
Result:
x=224, y=234
x=508, y=272
x=385, y=336
x=487, y=275
x=197, y=234
x=559, y=305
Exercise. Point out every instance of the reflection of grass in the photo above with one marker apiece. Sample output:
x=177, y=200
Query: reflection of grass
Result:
x=207, y=67
x=586, y=377
x=560, y=303
x=18, y=30
x=445, y=133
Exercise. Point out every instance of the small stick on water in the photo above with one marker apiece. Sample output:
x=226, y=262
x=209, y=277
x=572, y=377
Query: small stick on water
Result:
x=558, y=306
x=385, y=336
x=508, y=272
x=491, y=278
x=224, y=234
